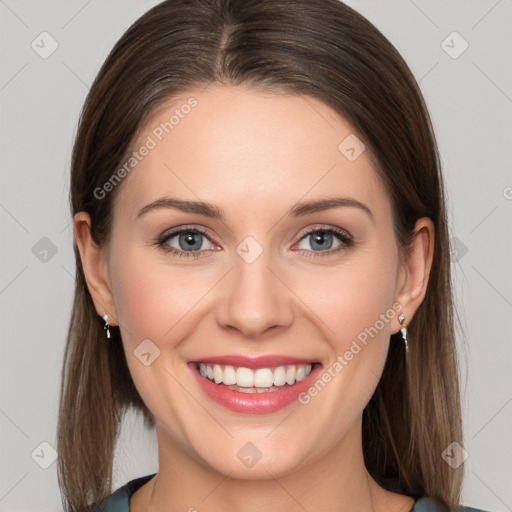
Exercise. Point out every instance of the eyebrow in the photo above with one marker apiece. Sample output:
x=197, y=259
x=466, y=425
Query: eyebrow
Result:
x=215, y=212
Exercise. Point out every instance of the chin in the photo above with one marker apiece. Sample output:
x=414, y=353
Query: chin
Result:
x=243, y=460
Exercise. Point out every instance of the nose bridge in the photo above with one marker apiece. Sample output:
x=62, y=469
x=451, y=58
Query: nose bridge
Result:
x=255, y=299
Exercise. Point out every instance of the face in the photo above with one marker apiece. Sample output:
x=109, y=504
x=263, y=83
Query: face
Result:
x=288, y=308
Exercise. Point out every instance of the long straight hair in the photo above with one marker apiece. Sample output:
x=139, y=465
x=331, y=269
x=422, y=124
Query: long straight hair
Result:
x=320, y=48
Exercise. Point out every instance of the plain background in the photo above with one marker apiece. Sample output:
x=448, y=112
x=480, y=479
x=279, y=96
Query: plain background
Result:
x=469, y=95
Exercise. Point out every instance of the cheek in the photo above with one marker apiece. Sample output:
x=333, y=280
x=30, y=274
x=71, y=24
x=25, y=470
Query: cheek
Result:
x=154, y=303
x=354, y=306
x=150, y=299
x=350, y=299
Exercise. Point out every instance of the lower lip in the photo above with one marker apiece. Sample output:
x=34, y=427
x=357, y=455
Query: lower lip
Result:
x=254, y=403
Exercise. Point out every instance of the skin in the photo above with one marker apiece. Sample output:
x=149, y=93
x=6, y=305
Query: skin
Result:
x=255, y=154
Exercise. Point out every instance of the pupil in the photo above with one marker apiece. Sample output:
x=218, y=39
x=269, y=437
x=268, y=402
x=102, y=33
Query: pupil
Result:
x=320, y=240
x=188, y=241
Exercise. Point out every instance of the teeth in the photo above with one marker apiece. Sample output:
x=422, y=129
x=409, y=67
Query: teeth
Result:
x=263, y=379
x=229, y=376
x=217, y=374
x=280, y=376
x=244, y=377
x=290, y=375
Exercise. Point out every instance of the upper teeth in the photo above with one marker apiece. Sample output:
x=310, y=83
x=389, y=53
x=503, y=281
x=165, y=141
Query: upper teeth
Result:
x=260, y=378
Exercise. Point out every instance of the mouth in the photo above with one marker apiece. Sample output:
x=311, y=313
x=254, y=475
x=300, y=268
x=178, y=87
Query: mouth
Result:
x=262, y=380
x=256, y=390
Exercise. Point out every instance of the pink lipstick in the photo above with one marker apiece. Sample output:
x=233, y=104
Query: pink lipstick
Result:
x=254, y=385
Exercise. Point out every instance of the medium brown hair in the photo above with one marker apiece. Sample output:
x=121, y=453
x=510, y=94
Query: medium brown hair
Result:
x=320, y=48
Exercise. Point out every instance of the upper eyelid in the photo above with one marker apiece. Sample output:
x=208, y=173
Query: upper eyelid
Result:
x=176, y=231
x=328, y=229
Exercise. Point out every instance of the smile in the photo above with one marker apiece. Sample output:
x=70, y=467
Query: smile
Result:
x=262, y=380
x=254, y=385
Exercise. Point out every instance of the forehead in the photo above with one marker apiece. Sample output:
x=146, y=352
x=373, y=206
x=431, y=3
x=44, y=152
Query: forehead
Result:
x=243, y=147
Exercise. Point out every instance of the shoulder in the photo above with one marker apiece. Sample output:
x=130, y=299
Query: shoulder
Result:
x=119, y=501
x=428, y=505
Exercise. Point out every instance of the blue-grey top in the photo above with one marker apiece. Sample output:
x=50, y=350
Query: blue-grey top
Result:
x=119, y=501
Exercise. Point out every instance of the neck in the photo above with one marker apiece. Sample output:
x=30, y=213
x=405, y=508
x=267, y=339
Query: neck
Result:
x=336, y=481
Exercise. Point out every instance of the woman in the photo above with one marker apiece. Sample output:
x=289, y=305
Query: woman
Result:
x=262, y=269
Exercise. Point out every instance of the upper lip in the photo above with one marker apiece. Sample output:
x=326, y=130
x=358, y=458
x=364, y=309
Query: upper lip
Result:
x=254, y=362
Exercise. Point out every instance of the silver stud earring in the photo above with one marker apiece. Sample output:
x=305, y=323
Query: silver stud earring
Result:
x=106, y=327
x=403, y=330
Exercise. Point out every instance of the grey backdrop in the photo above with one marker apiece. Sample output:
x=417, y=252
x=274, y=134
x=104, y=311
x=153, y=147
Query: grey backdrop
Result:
x=50, y=52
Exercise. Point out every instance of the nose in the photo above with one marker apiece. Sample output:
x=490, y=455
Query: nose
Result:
x=255, y=301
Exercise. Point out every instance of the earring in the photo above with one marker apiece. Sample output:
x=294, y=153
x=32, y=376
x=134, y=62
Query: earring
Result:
x=106, y=327
x=403, y=330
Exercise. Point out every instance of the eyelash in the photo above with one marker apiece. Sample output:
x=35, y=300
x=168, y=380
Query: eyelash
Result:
x=340, y=235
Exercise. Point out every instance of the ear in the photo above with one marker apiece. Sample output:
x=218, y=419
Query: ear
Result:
x=94, y=264
x=415, y=271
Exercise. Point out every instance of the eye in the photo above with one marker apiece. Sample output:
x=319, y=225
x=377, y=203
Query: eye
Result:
x=321, y=241
x=194, y=242
x=186, y=242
